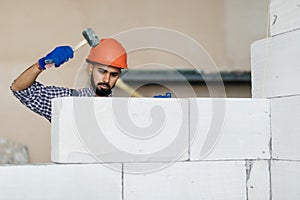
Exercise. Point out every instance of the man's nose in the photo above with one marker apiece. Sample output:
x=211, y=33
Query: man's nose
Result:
x=106, y=77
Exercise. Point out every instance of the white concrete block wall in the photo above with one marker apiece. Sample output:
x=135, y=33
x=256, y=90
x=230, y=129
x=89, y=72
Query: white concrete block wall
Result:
x=258, y=180
x=286, y=128
x=224, y=129
x=284, y=16
x=244, y=126
x=275, y=66
x=234, y=180
x=229, y=129
x=285, y=180
x=119, y=130
x=182, y=180
x=189, y=180
x=60, y=182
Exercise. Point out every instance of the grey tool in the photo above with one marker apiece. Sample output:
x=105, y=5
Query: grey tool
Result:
x=89, y=38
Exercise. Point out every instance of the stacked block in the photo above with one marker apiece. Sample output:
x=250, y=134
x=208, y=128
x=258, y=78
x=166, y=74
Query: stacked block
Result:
x=60, y=182
x=119, y=130
x=238, y=129
x=229, y=129
x=275, y=75
x=190, y=180
x=284, y=16
x=201, y=180
x=275, y=66
x=285, y=179
x=207, y=148
x=219, y=143
x=286, y=128
x=258, y=180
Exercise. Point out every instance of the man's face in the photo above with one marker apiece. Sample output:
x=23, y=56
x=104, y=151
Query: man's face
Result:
x=103, y=78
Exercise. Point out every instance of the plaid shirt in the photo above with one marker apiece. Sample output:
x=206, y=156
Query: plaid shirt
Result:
x=38, y=97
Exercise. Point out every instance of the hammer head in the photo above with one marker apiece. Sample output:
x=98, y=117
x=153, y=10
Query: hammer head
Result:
x=90, y=37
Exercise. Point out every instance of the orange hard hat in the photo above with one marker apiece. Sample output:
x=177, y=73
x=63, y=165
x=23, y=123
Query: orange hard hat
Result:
x=109, y=52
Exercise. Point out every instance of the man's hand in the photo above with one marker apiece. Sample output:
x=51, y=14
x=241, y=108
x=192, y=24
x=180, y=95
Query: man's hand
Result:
x=58, y=56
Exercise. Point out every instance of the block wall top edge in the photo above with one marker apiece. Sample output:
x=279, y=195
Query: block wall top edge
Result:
x=290, y=34
x=285, y=32
x=195, y=162
x=259, y=42
x=165, y=99
x=232, y=99
x=56, y=165
x=285, y=97
x=118, y=98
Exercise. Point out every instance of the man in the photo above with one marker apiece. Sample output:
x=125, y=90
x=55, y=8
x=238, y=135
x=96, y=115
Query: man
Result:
x=105, y=62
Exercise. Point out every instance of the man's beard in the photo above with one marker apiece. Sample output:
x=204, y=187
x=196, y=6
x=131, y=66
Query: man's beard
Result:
x=100, y=92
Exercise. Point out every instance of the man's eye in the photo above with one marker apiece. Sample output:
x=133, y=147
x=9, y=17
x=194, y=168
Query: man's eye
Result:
x=101, y=71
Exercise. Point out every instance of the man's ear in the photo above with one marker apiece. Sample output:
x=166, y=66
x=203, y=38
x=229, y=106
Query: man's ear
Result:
x=90, y=66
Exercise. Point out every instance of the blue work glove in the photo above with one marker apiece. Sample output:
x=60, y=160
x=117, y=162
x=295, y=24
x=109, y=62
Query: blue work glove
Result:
x=168, y=95
x=58, y=56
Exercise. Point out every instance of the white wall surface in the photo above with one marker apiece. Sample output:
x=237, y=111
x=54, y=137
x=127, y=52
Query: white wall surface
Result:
x=189, y=180
x=275, y=66
x=34, y=182
x=229, y=129
x=86, y=129
x=286, y=128
x=284, y=16
x=285, y=180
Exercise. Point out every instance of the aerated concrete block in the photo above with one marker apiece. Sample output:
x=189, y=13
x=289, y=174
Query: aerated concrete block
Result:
x=216, y=180
x=284, y=16
x=285, y=176
x=286, y=128
x=229, y=129
x=258, y=180
x=275, y=66
x=86, y=129
x=60, y=182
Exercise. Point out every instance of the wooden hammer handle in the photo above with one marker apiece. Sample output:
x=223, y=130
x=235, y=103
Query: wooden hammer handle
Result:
x=80, y=44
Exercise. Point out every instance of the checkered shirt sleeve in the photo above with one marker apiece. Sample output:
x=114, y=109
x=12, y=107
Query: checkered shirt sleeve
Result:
x=38, y=97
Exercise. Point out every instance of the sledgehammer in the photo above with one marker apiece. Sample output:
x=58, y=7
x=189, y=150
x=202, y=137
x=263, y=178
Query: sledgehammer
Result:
x=89, y=38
